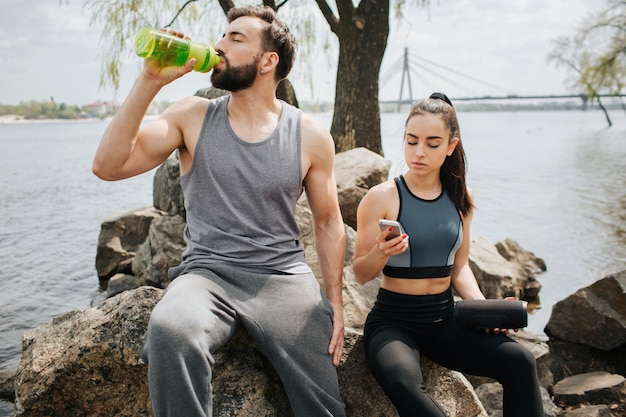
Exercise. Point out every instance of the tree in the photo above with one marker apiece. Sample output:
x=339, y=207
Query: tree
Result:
x=596, y=54
x=361, y=30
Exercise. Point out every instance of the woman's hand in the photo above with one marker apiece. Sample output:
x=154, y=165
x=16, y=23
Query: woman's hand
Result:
x=394, y=246
x=503, y=331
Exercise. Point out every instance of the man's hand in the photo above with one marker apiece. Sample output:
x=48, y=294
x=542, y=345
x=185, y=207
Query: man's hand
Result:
x=336, y=342
x=165, y=74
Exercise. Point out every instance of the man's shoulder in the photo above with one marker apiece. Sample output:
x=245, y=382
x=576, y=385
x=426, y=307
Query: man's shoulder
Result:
x=187, y=104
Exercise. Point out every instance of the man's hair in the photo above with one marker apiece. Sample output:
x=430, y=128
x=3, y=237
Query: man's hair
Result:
x=276, y=37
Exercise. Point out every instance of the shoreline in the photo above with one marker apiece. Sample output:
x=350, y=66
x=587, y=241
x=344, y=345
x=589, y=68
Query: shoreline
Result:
x=15, y=119
x=10, y=119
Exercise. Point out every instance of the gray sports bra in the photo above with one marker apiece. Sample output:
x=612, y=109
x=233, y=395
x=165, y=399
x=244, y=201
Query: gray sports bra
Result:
x=435, y=230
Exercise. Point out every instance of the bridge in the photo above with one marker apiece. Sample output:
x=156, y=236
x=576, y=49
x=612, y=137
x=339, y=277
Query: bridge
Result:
x=406, y=63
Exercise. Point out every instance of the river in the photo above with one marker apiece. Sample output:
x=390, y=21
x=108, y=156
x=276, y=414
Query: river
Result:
x=555, y=182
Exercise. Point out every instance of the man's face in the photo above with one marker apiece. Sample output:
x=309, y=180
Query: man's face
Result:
x=235, y=78
x=241, y=51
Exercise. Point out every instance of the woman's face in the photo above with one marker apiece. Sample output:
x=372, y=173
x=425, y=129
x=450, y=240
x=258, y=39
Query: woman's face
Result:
x=427, y=143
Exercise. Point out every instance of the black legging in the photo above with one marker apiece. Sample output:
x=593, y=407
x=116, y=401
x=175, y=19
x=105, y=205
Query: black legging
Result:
x=401, y=326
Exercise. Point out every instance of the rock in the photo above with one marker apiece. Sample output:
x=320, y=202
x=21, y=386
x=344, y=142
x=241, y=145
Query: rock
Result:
x=589, y=411
x=490, y=395
x=120, y=236
x=513, y=252
x=593, y=316
x=120, y=283
x=529, y=263
x=356, y=171
x=161, y=250
x=167, y=193
x=7, y=385
x=88, y=363
x=567, y=359
x=590, y=388
x=500, y=277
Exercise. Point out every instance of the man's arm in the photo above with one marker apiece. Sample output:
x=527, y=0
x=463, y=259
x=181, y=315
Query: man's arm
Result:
x=330, y=241
x=127, y=148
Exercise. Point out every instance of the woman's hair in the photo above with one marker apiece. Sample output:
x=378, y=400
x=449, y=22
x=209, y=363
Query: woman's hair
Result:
x=276, y=37
x=453, y=170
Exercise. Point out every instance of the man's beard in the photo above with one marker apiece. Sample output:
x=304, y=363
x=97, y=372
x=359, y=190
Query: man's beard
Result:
x=234, y=79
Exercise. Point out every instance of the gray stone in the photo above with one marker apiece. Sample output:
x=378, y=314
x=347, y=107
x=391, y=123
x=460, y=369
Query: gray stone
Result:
x=589, y=411
x=120, y=236
x=593, y=316
x=497, y=276
x=356, y=171
x=590, y=388
x=88, y=363
x=167, y=193
x=161, y=250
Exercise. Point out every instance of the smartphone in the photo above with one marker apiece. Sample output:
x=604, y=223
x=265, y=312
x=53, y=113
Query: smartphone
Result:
x=396, y=229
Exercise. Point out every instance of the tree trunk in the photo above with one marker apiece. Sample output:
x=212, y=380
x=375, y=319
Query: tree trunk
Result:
x=362, y=34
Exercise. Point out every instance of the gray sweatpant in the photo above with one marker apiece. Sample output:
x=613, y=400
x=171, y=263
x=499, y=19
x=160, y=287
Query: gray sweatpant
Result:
x=288, y=316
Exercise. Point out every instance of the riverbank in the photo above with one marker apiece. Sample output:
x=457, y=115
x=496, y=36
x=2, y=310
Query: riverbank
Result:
x=17, y=119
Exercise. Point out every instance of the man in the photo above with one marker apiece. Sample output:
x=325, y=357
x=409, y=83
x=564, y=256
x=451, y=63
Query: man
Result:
x=244, y=160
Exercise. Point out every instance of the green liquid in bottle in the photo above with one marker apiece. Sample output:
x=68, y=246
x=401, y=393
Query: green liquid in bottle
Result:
x=171, y=50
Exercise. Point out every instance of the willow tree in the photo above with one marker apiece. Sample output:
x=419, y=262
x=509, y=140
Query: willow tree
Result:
x=361, y=30
x=596, y=54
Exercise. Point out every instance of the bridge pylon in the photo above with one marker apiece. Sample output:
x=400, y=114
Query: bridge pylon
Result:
x=405, y=74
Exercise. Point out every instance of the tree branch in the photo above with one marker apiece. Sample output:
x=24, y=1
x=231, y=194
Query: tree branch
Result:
x=331, y=19
x=179, y=12
x=226, y=5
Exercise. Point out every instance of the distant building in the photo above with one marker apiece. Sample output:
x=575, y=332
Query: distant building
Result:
x=100, y=108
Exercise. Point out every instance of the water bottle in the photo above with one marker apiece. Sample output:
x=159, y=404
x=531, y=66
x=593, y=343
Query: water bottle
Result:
x=169, y=49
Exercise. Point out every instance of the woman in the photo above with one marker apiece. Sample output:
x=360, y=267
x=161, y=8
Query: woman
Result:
x=414, y=310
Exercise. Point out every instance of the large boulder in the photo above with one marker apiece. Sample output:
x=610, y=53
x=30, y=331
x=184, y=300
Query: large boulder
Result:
x=508, y=275
x=356, y=171
x=161, y=250
x=590, y=388
x=167, y=193
x=593, y=316
x=120, y=236
x=88, y=363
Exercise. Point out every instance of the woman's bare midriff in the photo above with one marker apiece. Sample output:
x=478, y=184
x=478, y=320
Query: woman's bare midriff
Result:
x=422, y=286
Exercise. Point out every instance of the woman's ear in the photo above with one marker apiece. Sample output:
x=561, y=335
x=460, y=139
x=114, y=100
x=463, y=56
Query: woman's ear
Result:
x=452, y=145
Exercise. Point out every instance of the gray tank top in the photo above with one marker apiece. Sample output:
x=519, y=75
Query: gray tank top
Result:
x=241, y=197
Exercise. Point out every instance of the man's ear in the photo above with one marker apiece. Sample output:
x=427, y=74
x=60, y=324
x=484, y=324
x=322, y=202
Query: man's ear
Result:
x=269, y=62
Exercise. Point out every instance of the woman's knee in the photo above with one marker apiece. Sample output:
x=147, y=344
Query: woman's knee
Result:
x=521, y=356
x=519, y=364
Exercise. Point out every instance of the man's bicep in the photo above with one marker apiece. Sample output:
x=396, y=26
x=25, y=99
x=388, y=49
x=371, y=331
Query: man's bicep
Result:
x=155, y=143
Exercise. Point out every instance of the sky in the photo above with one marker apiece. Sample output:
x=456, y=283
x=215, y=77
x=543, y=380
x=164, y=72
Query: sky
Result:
x=49, y=50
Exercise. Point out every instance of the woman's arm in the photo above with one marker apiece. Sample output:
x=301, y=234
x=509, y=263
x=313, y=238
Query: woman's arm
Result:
x=371, y=249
